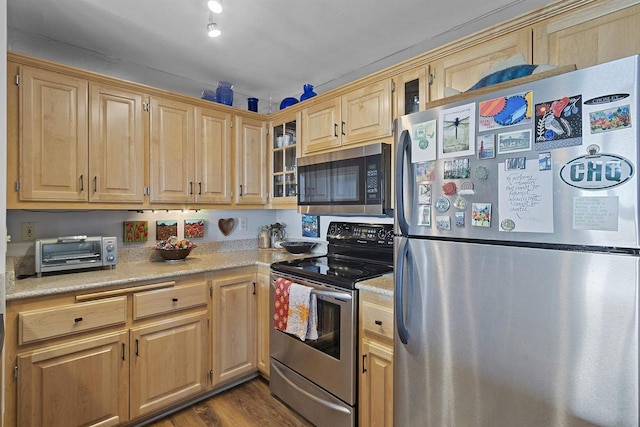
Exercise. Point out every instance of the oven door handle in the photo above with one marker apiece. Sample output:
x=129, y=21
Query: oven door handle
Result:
x=342, y=296
x=329, y=405
x=337, y=295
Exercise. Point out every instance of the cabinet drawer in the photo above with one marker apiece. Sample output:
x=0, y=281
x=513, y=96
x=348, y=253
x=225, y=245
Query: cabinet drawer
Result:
x=377, y=319
x=37, y=325
x=159, y=301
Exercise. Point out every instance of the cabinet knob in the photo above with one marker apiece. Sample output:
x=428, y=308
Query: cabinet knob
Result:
x=77, y=319
x=174, y=299
x=378, y=322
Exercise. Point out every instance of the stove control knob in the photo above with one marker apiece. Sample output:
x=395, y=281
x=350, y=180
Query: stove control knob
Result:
x=381, y=234
x=110, y=247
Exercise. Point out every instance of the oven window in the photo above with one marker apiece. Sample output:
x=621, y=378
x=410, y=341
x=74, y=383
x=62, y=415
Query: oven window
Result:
x=328, y=340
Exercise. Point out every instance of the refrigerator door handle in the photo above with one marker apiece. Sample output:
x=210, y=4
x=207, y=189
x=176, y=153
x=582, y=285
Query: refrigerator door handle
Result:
x=403, y=252
x=404, y=142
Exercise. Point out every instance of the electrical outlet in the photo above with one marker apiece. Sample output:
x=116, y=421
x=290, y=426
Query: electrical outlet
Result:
x=28, y=231
x=243, y=224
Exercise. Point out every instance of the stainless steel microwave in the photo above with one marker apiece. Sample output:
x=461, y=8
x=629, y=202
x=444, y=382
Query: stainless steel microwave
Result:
x=355, y=181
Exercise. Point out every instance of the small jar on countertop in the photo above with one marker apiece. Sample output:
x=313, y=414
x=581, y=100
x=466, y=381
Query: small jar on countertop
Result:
x=264, y=238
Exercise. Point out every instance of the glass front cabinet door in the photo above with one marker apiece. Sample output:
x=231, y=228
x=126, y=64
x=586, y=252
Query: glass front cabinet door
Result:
x=412, y=91
x=284, y=143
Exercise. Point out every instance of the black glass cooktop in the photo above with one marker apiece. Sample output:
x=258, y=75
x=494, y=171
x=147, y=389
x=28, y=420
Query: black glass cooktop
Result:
x=355, y=252
x=339, y=272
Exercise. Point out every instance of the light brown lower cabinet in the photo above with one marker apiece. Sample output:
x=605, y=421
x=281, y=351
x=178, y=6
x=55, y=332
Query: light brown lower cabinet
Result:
x=82, y=383
x=234, y=327
x=112, y=357
x=376, y=368
x=168, y=362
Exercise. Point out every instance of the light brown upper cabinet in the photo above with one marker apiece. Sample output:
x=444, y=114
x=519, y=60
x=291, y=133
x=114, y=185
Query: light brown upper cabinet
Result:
x=171, y=151
x=54, y=150
x=462, y=69
x=190, y=153
x=597, y=33
x=251, y=161
x=357, y=116
x=116, y=144
x=80, y=141
x=213, y=156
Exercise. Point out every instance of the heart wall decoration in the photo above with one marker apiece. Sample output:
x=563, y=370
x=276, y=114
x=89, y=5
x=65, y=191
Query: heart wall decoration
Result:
x=226, y=225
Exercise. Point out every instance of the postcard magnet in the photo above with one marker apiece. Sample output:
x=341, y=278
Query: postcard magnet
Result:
x=443, y=222
x=424, y=194
x=481, y=214
x=544, y=161
x=425, y=216
x=515, y=163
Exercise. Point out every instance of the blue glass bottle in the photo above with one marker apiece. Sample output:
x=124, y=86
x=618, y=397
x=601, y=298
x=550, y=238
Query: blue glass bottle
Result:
x=308, y=92
x=224, y=93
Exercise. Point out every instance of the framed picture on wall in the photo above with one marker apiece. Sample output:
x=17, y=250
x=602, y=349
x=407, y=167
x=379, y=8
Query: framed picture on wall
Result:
x=310, y=225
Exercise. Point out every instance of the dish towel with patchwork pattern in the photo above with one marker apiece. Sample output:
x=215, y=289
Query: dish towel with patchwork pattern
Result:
x=295, y=310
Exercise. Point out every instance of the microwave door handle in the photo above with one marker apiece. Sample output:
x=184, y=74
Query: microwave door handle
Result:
x=401, y=155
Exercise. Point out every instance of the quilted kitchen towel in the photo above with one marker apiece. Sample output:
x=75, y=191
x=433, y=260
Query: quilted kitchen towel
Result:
x=281, y=304
x=303, y=312
x=295, y=310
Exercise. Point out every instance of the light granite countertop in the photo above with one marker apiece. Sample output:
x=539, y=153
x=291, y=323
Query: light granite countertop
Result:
x=136, y=271
x=380, y=285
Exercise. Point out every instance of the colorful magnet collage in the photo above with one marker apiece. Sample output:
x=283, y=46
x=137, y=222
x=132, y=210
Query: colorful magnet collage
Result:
x=453, y=149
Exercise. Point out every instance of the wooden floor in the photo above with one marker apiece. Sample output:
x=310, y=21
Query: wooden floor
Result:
x=249, y=404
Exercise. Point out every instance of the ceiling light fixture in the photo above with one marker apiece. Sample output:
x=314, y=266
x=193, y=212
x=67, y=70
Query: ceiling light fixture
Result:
x=215, y=6
x=212, y=28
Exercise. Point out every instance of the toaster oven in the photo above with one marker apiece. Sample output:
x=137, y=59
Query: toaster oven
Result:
x=75, y=252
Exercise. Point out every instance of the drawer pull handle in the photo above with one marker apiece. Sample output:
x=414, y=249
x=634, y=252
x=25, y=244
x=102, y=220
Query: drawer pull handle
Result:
x=77, y=319
x=378, y=322
x=174, y=299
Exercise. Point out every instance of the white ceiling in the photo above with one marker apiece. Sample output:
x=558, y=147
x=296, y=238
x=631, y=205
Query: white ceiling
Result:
x=267, y=47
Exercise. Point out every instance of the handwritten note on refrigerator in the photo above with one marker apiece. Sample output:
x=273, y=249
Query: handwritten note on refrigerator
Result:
x=525, y=199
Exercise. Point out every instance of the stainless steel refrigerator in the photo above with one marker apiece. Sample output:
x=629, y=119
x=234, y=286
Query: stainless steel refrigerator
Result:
x=517, y=255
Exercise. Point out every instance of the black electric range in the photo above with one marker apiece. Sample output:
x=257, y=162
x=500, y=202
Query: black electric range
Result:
x=355, y=252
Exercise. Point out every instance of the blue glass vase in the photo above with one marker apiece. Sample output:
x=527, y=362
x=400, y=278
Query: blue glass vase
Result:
x=308, y=92
x=224, y=93
x=252, y=104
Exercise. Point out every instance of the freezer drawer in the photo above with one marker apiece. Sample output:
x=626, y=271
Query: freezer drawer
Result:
x=489, y=335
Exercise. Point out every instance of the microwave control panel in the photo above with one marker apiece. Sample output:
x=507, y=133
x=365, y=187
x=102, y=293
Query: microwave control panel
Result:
x=373, y=182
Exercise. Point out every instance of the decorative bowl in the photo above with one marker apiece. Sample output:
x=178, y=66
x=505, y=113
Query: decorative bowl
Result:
x=299, y=247
x=287, y=102
x=174, y=249
x=175, y=254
